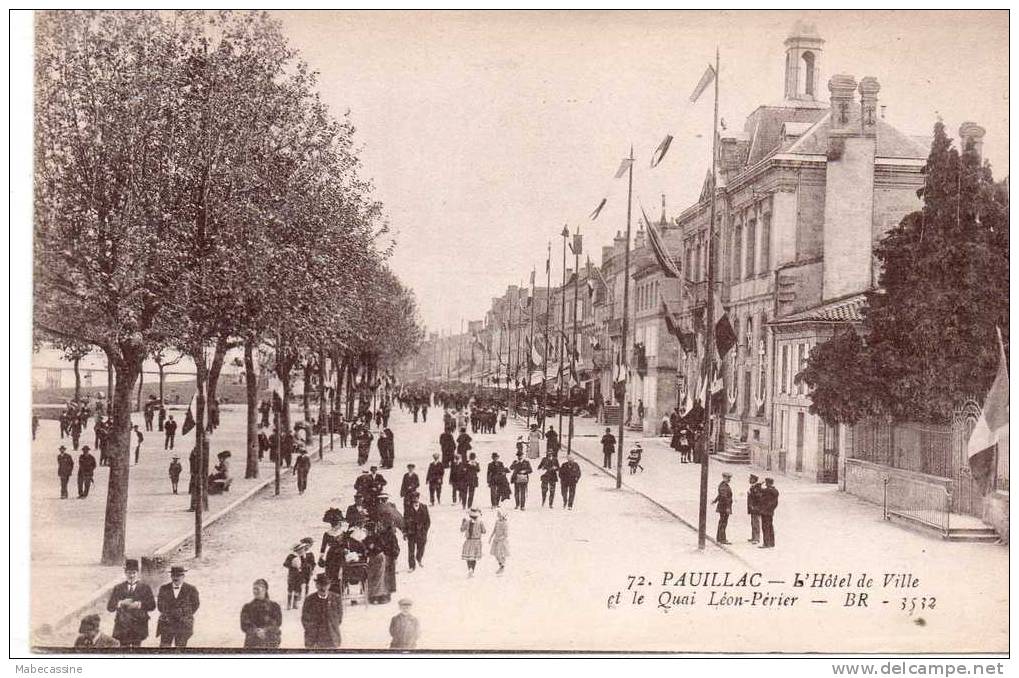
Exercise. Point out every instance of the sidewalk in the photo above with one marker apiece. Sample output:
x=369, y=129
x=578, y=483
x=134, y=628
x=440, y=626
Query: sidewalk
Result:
x=66, y=540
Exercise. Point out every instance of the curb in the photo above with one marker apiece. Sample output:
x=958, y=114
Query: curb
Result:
x=157, y=555
x=661, y=506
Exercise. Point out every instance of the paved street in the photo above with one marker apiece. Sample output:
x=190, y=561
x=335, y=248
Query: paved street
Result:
x=564, y=566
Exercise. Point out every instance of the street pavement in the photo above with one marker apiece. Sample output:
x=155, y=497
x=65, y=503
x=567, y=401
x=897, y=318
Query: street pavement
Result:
x=566, y=583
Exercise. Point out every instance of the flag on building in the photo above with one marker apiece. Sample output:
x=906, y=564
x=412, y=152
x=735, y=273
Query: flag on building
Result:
x=590, y=287
x=725, y=336
x=623, y=167
x=687, y=340
x=189, y=416
x=991, y=430
x=706, y=79
x=598, y=209
x=663, y=148
x=665, y=261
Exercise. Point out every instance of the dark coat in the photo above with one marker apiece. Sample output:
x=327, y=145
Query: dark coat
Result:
x=463, y=443
x=471, y=470
x=521, y=471
x=550, y=466
x=723, y=498
x=65, y=465
x=261, y=614
x=131, y=625
x=608, y=443
x=435, y=472
x=496, y=473
x=768, y=501
x=569, y=473
x=416, y=521
x=321, y=618
x=177, y=615
x=754, y=498
x=410, y=484
x=86, y=464
x=175, y=469
x=302, y=465
x=446, y=443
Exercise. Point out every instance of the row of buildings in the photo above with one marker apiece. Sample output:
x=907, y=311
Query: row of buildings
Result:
x=805, y=190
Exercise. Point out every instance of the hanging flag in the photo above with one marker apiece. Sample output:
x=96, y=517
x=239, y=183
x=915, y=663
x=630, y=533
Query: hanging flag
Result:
x=665, y=261
x=706, y=79
x=598, y=209
x=548, y=265
x=623, y=166
x=991, y=430
x=663, y=148
x=725, y=336
x=189, y=416
x=532, y=277
x=577, y=247
x=590, y=287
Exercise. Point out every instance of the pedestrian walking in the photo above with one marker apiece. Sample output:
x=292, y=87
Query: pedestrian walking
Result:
x=447, y=445
x=170, y=431
x=436, y=470
x=753, y=500
x=416, y=523
x=138, y=443
x=473, y=529
x=456, y=477
x=534, y=437
x=90, y=637
x=261, y=618
x=404, y=627
x=86, y=470
x=132, y=601
x=263, y=444
x=499, y=541
x=520, y=475
x=463, y=443
x=174, y=471
x=471, y=469
x=498, y=484
x=569, y=476
x=302, y=467
x=177, y=603
x=766, y=506
x=321, y=616
x=294, y=564
x=608, y=447
x=634, y=458
x=409, y=486
x=364, y=443
x=65, y=466
x=723, y=500
x=549, y=477
x=376, y=587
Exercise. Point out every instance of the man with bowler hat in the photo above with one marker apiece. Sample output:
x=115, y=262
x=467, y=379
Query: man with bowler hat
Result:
x=65, y=466
x=321, y=616
x=767, y=505
x=177, y=603
x=131, y=600
x=86, y=469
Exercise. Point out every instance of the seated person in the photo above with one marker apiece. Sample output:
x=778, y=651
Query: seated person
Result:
x=220, y=479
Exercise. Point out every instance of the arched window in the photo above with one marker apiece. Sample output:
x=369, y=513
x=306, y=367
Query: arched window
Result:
x=808, y=67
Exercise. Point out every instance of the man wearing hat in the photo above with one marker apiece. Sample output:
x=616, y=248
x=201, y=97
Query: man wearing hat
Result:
x=175, y=470
x=416, y=522
x=404, y=628
x=608, y=447
x=321, y=616
x=447, y=444
x=753, y=500
x=302, y=467
x=409, y=486
x=436, y=471
x=131, y=600
x=177, y=603
x=86, y=469
x=89, y=635
x=723, y=499
x=65, y=466
x=766, y=506
x=520, y=475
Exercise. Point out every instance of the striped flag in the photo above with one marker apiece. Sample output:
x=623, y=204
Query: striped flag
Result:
x=706, y=79
x=665, y=261
x=991, y=430
x=663, y=148
x=598, y=209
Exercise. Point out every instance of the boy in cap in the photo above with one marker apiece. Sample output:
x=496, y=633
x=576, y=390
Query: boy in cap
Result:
x=436, y=470
x=177, y=603
x=404, y=628
x=131, y=600
x=520, y=475
x=308, y=562
x=294, y=565
x=409, y=486
x=89, y=635
x=175, y=470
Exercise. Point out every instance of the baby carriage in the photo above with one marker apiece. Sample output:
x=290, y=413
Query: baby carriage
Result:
x=354, y=590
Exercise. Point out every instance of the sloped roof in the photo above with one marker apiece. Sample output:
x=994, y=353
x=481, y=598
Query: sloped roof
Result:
x=891, y=143
x=765, y=127
x=847, y=310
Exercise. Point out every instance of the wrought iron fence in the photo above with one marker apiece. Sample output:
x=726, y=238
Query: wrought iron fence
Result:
x=919, y=501
x=923, y=448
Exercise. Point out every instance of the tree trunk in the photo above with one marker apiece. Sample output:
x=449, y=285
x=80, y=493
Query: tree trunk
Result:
x=251, y=392
x=215, y=369
x=162, y=381
x=350, y=389
x=321, y=399
x=199, y=500
x=115, y=527
x=77, y=380
x=110, y=385
x=141, y=382
x=284, y=375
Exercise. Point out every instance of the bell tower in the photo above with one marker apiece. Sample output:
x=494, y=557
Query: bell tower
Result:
x=803, y=50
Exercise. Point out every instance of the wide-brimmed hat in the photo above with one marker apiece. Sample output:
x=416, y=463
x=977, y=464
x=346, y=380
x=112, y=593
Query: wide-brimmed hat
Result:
x=86, y=448
x=177, y=570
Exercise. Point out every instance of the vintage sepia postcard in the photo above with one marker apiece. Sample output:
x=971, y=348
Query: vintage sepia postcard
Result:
x=517, y=332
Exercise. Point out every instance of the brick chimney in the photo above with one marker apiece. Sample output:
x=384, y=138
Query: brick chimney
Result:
x=842, y=88
x=869, y=87
x=972, y=133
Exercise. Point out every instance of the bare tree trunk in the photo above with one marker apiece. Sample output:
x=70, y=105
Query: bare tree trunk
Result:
x=141, y=382
x=350, y=389
x=199, y=498
x=251, y=393
x=215, y=369
x=110, y=385
x=128, y=366
x=285, y=410
x=77, y=380
x=306, y=398
x=321, y=399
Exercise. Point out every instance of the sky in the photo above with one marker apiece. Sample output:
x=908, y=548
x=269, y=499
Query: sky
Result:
x=485, y=132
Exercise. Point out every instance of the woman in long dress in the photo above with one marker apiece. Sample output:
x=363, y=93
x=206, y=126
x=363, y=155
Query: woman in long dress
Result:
x=500, y=541
x=534, y=442
x=261, y=618
x=376, y=587
x=473, y=549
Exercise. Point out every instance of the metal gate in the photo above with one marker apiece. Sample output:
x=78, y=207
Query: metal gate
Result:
x=830, y=455
x=967, y=493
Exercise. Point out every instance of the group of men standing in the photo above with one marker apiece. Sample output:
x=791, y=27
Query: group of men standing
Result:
x=761, y=504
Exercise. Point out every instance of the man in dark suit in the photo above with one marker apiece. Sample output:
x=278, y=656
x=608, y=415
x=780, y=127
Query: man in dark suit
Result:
x=177, y=603
x=766, y=505
x=436, y=470
x=321, y=616
x=569, y=476
x=170, y=429
x=416, y=522
x=86, y=470
x=131, y=600
x=608, y=447
x=448, y=446
x=753, y=499
x=409, y=486
x=65, y=466
x=724, y=507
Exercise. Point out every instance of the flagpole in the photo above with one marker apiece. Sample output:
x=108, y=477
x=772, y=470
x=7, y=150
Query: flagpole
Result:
x=516, y=372
x=709, y=344
x=526, y=391
x=562, y=333
x=626, y=318
x=548, y=316
x=576, y=348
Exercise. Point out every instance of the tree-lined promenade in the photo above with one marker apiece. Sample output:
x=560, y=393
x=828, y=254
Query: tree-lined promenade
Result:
x=193, y=194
